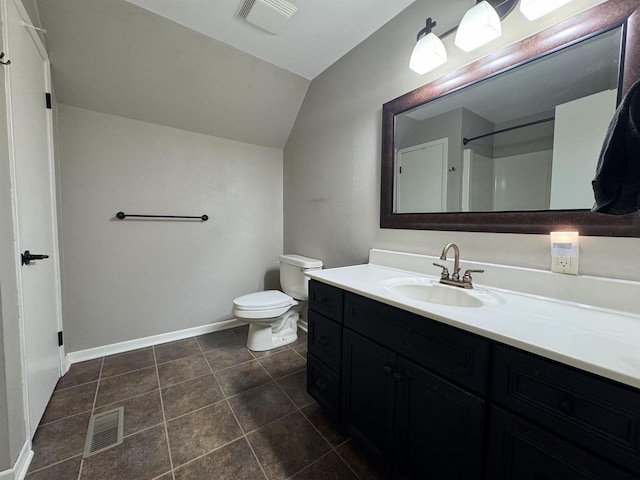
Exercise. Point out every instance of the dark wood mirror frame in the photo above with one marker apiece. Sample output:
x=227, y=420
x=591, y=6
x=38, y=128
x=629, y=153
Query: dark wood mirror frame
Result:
x=600, y=18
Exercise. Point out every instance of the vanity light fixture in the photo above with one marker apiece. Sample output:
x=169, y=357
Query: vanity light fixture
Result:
x=429, y=52
x=534, y=9
x=479, y=26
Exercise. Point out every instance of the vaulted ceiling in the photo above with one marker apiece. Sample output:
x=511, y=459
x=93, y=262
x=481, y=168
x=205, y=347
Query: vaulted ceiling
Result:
x=115, y=57
x=318, y=34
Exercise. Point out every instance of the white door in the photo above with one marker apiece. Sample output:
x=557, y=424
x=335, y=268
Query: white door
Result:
x=30, y=127
x=421, y=178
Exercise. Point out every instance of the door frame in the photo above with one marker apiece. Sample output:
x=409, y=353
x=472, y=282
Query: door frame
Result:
x=445, y=170
x=55, y=255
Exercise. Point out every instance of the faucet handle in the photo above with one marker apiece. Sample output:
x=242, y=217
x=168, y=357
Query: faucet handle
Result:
x=466, y=278
x=445, y=271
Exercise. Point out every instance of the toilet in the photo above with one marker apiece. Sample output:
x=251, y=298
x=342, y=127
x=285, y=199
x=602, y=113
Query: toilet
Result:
x=273, y=315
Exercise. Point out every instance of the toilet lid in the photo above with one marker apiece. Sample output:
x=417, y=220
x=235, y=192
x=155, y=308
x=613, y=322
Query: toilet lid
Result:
x=263, y=300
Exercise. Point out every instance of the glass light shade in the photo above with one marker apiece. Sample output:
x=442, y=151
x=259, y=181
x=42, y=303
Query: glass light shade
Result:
x=429, y=53
x=479, y=26
x=533, y=9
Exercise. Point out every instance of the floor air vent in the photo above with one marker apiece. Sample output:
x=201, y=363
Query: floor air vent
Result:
x=105, y=431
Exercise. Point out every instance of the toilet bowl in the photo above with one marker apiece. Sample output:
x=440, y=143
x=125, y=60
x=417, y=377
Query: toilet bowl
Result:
x=273, y=315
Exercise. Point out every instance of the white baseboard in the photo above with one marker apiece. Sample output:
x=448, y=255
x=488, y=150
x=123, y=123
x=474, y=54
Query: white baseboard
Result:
x=98, y=352
x=20, y=468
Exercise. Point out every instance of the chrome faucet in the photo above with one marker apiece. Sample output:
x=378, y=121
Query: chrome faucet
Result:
x=455, y=276
x=466, y=281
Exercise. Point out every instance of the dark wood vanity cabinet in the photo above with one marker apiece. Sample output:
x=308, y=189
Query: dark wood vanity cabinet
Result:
x=324, y=359
x=416, y=421
x=436, y=402
x=522, y=451
x=439, y=427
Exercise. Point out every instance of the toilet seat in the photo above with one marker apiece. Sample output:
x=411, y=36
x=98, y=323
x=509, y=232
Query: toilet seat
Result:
x=268, y=304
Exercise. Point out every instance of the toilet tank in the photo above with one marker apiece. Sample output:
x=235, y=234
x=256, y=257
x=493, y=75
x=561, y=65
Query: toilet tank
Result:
x=292, y=278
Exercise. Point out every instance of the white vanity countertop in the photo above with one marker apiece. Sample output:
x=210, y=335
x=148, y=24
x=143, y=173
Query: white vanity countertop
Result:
x=601, y=341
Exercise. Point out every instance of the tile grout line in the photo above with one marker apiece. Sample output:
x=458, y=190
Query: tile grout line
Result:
x=196, y=410
x=343, y=460
x=332, y=448
x=310, y=465
x=299, y=410
x=73, y=386
x=244, y=435
x=90, y=410
x=164, y=418
x=232, y=366
x=210, y=451
x=184, y=381
x=95, y=399
x=58, y=462
x=128, y=372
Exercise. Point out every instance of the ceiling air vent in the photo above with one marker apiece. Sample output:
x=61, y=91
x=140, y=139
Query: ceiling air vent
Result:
x=269, y=15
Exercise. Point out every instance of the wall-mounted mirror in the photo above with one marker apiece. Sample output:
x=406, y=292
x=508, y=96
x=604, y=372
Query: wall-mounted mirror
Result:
x=514, y=137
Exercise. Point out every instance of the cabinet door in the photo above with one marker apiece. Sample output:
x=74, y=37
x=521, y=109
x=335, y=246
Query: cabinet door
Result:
x=439, y=427
x=368, y=392
x=520, y=451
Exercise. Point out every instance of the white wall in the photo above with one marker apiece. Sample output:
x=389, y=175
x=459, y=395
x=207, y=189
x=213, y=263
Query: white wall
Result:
x=522, y=182
x=114, y=57
x=130, y=279
x=332, y=158
x=580, y=129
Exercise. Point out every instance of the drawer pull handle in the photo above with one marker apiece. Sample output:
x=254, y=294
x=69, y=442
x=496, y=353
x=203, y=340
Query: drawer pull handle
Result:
x=387, y=370
x=321, y=386
x=321, y=341
x=322, y=300
x=566, y=406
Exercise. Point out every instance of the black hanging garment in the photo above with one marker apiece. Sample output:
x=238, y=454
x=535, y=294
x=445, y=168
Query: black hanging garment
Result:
x=617, y=183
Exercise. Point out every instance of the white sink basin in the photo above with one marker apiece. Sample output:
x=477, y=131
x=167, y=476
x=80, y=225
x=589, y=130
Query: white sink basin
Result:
x=431, y=291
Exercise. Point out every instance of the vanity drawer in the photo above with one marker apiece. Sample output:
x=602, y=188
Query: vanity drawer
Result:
x=325, y=340
x=326, y=300
x=457, y=355
x=594, y=413
x=323, y=385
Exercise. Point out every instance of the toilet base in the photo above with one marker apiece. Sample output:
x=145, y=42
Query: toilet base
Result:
x=266, y=336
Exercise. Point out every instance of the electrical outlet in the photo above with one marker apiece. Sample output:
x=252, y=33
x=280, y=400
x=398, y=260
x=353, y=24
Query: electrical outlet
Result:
x=568, y=265
x=565, y=251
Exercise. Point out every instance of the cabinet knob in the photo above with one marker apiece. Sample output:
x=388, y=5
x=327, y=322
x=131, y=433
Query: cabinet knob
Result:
x=387, y=369
x=398, y=377
x=321, y=386
x=565, y=405
x=321, y=341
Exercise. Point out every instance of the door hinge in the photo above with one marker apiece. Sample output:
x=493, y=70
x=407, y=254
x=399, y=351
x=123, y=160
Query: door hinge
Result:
x=60, y=339
x=47, y=99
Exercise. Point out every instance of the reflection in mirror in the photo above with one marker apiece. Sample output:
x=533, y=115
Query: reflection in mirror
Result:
x=527, y=139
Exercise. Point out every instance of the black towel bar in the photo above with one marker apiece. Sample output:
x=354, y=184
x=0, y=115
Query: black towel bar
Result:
x=122, y=215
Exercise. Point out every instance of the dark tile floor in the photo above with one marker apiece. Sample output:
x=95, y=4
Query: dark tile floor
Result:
x=200, y=408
